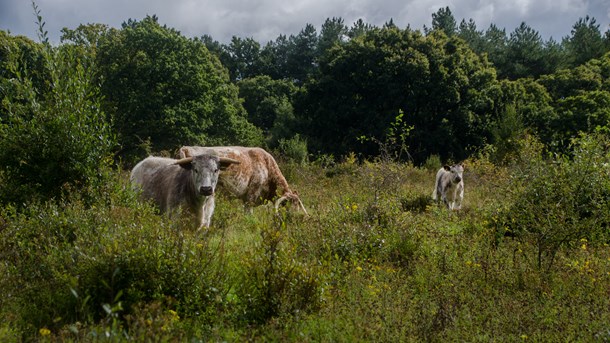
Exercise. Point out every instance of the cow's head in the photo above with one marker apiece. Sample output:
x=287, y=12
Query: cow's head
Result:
x=456, y=171
x=205, y=169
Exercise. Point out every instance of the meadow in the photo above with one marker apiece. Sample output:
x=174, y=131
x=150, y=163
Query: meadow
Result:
x=375, y=260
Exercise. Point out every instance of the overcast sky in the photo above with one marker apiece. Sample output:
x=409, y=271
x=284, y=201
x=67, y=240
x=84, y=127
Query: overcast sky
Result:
x=265, y=20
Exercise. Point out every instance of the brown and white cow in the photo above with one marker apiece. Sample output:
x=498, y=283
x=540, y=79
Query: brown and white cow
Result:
x=256, y=179
x=189, y=182
x=449, y=186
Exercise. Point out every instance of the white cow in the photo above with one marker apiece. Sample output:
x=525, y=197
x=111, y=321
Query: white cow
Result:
x=189, y=182
x=449, y=186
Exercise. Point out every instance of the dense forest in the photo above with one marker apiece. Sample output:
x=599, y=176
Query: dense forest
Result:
x=339, y=90
x=360, y=117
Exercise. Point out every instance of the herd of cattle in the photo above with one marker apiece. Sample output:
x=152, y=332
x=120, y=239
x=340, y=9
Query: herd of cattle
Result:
x=249, y=174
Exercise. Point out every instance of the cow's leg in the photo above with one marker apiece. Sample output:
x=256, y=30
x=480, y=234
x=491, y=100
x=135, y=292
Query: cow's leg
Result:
x=206, y=211
x=445, y=200
x=459, y=198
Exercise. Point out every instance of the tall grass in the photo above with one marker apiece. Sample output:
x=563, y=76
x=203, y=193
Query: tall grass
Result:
x=375, y=261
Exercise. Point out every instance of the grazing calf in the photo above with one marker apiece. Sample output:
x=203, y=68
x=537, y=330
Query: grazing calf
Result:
x=255, y=180
x=449, y=186
x=189, y=182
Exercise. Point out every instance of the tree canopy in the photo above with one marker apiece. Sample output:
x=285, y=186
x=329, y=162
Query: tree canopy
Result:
x=166, y=90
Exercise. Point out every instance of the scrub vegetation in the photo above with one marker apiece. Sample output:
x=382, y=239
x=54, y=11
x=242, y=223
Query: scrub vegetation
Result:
x=360, y=134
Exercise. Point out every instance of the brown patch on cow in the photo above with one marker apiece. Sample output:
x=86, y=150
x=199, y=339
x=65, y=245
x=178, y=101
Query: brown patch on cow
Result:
x=255, y=180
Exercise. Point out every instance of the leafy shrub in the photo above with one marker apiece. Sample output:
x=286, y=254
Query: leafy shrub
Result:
x=557, y=203
x=418, y=203
x=433, y=163
x=294, y=149
x=273, y=282
x=67, y=262
x=52, y=138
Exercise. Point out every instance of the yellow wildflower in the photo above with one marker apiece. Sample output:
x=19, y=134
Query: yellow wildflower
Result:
x=44, y=332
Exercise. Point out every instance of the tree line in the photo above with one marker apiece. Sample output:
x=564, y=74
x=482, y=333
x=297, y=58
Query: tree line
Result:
x=117, y=94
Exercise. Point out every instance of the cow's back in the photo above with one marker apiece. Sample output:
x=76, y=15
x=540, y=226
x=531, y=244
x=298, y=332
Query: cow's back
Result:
x=252, y=180
x=255, y=179
x=157, y=178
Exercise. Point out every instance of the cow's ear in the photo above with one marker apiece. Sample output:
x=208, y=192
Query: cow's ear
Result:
x=187, y=166
x=447, y=168
x=225, y=162
x=185, y=163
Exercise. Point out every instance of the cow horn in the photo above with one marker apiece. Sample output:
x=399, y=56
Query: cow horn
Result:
x=185, y=152
x=226, y=160
x=184, y=161
x=279, y=201
x=285, y=197
x=302, y=206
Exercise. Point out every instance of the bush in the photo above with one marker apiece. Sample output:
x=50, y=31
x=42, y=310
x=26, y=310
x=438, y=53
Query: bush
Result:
x=273, y=282
x=55, y=138
x=66, y=263
x=433, y=163
x=558, y=203
x=294, y=149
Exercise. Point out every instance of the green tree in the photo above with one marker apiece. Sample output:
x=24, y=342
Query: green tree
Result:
x=582, y=113
x=468, y=31
x=53, y=133
x=166, y=91
x=332, y=32
x=84, y=35
x=446, y=92
x=269, y=105
x=443, y=20
x=244, y=58
x=585, y=42
x=580, y=99
x=20, y=55
x=495, y=45
x=301, y=56
x=274, y=58
x=358, y=29
x=525, y=53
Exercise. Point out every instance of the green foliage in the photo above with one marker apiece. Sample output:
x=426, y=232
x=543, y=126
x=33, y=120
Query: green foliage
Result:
x=269, y=106
x=559, y=203
x=160, y=85
x=448, y=91
x=433, y=163
x=586, y=42
x=443, y=20
x=294, y=149
x=67, y=263
x=507, y=132
x=55, y=136
x=274, y=283
x=580, y=99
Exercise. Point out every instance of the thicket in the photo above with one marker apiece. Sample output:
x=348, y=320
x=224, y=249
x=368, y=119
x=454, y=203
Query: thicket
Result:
x=54, y=134
x=82, y=259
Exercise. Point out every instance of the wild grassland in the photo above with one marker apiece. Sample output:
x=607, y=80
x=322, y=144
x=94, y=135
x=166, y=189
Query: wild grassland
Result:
x=374, y=261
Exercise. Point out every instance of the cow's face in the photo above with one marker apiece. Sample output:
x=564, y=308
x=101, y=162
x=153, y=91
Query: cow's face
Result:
x=456, y=172
x=205, y=169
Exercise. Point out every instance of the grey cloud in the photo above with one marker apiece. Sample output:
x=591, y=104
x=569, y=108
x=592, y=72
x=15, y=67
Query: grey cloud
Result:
x=265, y=20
